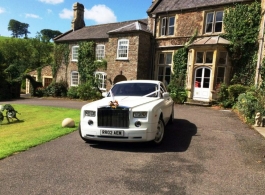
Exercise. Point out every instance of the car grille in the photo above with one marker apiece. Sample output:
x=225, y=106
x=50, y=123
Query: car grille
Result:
x=113, y=117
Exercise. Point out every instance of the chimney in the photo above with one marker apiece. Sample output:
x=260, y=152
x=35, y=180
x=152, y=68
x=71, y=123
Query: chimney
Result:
x=78, y=20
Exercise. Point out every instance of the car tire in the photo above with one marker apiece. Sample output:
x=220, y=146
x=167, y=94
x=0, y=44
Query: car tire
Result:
x=79, y=130
x=160, y=132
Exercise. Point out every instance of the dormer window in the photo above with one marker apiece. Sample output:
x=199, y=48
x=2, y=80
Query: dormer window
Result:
x=214, y=22
x=167, y=26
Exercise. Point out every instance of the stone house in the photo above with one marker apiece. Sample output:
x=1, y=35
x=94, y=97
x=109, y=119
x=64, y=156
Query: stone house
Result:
x=144, y=49
x=46, y=77
x=124, y=45
x=173, y=24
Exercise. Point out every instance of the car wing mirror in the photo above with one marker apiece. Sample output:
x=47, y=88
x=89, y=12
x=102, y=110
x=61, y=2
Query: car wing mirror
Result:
x=166, y=95
x=104, y=94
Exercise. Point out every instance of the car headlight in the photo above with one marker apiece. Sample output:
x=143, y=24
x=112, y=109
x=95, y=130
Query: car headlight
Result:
x=90, y=113
x=139, y=114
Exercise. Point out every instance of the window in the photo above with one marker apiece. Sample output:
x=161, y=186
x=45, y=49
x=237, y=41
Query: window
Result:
x=101, y=77
x=220, y=77
x=222, y=58
x=214, y=22
x=164, y=67
x=123, y=48
x=204, y=57
x=47, y=82
x=100, y=52
x=75, y=53
x=167, y=26
x=74, y=78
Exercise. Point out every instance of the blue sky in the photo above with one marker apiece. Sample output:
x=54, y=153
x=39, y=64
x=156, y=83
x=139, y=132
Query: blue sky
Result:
x=57, y=14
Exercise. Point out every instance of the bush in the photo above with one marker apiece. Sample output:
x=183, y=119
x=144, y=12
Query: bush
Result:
x=88, y=92
x=56, y=89
x=235, y=90
x=228, y=96
x=179, y=95
x=39, y=92
x=247, y=106
x=73, y=93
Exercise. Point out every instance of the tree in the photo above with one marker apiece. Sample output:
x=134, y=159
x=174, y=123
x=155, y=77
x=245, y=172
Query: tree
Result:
x=18, y=29
x=42, y=52
x=48, y=34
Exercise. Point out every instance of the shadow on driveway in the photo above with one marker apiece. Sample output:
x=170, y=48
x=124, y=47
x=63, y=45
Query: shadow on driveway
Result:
x=178, y=136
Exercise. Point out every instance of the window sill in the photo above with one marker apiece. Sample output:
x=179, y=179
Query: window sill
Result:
x=122, y=59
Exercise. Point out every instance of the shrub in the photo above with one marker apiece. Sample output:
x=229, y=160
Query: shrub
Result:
x=57, y=89
x=247, y=105
x=179, y=95
x=86, y=91
x=227, y=96
x=235, y=90
x=73, y=93
x=39, y=92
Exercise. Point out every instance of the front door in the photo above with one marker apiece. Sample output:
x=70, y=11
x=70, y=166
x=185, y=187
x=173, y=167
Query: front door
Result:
x=202, y=84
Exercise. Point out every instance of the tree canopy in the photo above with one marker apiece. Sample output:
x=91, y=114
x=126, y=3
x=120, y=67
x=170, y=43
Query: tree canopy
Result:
x=49, y=34
x=18, y=29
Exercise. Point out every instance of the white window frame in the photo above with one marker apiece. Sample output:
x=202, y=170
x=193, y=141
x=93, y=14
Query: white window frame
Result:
x=100, y=52
x=102, y=76
x=123, y=49
x=166, y=26
x=75, y=53
x=213, y=22
x=74, y=80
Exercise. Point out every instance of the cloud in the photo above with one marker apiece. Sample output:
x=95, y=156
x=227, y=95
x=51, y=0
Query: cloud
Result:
x=2, y=10
x=49, y=11
x=32, y=16
x=66, y=14
x=101, y=14
x=52, y=1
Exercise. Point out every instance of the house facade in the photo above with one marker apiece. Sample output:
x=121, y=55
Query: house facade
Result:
x=173, y=24
x=124, y=45
x=144, y=49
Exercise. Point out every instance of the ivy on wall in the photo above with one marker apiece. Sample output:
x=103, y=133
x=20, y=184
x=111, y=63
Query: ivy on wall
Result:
x=177, y=86
x=241, y=25
x=87, y=65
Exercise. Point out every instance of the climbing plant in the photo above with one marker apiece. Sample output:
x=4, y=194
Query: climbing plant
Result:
x=177, y=86
x=241, y=25
x=87, y=66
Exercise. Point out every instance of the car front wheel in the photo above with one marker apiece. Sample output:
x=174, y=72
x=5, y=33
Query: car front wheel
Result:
x=160, y=132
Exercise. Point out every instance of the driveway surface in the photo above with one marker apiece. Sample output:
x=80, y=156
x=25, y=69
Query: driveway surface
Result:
x=205, y=152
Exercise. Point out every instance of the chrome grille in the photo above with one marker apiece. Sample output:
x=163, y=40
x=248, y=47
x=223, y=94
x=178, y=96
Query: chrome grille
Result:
x=113, y=117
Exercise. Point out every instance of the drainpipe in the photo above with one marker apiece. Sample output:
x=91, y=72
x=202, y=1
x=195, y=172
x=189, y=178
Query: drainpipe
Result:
x=153, y=45
x=261, y=46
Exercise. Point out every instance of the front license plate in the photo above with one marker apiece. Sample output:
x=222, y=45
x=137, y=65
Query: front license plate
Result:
x=111, y=132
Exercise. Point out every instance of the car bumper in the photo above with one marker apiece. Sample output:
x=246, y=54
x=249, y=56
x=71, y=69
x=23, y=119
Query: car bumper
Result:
x=129, y=135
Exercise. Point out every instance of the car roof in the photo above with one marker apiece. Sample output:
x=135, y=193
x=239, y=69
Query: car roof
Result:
x=140, y=81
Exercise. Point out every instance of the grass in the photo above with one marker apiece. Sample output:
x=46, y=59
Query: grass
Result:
x=36, y=125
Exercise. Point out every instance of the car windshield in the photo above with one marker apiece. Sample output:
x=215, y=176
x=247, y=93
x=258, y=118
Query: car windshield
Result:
x=135, y=89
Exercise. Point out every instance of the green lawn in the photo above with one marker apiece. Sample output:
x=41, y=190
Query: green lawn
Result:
x=38, y=124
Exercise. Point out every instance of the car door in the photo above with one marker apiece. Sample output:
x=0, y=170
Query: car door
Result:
x=167, y=103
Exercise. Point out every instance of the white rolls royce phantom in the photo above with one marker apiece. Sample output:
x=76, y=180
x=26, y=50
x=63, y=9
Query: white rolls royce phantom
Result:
x=132, y=111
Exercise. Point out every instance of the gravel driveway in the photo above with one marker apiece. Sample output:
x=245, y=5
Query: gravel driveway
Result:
x=206, y=152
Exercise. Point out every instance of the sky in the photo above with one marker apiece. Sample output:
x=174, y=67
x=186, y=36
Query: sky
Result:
x=58, y=14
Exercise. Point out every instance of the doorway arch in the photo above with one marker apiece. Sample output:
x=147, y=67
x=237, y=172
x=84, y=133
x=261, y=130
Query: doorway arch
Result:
x=119, y=78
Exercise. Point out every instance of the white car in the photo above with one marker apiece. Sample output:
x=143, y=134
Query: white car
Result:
x=132, y=111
